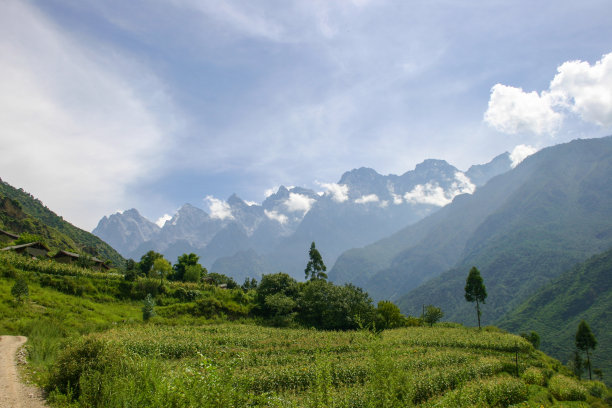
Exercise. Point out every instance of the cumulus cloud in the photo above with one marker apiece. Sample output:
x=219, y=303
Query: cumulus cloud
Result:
x=250, y=203
x=80, y=122
x=218, y=208
x=338, y=192
x=434, y=194
x=299, y=202
x=520, y=153
x=578, y=87
x=270, y=191
x=276, y=216
x=162, y=220
x=586, y=89
x=370, y=198
x=511, y=110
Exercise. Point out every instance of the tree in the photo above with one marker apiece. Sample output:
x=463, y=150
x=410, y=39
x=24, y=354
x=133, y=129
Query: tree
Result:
x=146, y=262
x=577, y=363
x=193, y=273
x=249, y=283
x=272, y=284
x=315, y=269
x=148, y=309
x=388, y=315
x=475, y=290
x=533, y=338
x=432, y=315
x=183, y=262
x=585, y=341
x=20, y=290
x=161, y=268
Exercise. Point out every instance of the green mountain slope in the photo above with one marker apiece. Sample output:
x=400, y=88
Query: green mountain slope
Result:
x=584, y=292
x=560, y=216
x=21, y=212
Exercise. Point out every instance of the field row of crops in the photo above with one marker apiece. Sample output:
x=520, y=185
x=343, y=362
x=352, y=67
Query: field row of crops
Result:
x=246, y=365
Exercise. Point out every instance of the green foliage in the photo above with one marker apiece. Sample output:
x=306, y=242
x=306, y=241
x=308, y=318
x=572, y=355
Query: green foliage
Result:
x=20, y=290
x=315, y=269
x=148, y=309
x=161, y=268
x=146, y=262
x=432, y=315
x=26, y=238
x=535, y=376
x=388, y=316
x=585, y=341
x=273, y=284
x=249, y=283
x=533, y=338
x=567, y=389
x=180, y=268
x=193, y=273
x=323, y=305
x=475, y=290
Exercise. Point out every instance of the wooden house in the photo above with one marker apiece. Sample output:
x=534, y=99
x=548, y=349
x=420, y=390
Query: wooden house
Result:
x=6, y=237
x=70, y=257
x=31, y=249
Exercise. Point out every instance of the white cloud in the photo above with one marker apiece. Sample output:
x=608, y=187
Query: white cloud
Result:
x=434, y=194
x=370, y=198
x=339, y=192
x=162, y=220
x=299, y=202
x=218, y=208
x=384, y=204
x=276, y=216
x=270, y=191
x=586, y=89
x=578, y=87
x=520, y=152
x=250, y=203
x=511, y=110
x=80, y=122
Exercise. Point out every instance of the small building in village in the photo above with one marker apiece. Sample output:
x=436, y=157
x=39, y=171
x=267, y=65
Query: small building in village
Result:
x=70, y=257
x=6, y=237
x=32, y=249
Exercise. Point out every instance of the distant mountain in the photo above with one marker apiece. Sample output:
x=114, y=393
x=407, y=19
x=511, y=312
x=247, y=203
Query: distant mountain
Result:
x=554, y=311
x=521, y=230
x=126, y=230
x=21, y=212
x=362, y=207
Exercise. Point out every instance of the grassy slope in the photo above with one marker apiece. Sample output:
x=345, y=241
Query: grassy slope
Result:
x=34, y=217
x=583, y=292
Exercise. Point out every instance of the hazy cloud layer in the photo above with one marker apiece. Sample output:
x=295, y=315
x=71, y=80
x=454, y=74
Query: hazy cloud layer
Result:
x=276, y=216
x=520, y=153
x=434, y=194
x=338, y=192
x=218, y=208
x=369, y=198
x=299, y=202
x=578, y=87
x=80, y=123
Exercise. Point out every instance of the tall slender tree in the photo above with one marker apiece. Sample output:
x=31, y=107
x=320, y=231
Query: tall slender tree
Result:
x=315, y=269
x=475, y=290
x=585, y=341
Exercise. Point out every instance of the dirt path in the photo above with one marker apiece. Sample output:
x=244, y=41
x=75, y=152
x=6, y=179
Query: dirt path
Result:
x=13, y=393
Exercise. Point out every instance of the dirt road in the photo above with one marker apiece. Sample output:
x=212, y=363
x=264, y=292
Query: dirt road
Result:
x=13, y=393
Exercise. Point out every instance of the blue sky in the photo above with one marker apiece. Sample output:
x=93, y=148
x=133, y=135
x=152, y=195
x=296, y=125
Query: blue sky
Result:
x=109, y=105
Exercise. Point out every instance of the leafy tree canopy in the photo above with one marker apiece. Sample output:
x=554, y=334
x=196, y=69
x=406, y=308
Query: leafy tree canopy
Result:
x=315, y=269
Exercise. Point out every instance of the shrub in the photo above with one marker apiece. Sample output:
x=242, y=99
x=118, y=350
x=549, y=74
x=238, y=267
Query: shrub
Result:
x=566, y=389
x=534, y=376
x=597, y=389
x=20, y=290
x=490, y=392
x=148, y=310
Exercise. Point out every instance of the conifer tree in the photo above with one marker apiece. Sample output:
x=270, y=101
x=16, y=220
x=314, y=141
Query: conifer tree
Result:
x=475, y=290
x=315, y=269
x=585, y=341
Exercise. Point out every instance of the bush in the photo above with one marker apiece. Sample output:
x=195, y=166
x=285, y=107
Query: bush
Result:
x=20, y=290
x=597, y=389
x=148, y=310
x=566, y=389
x=534, y=376
x=491, y=392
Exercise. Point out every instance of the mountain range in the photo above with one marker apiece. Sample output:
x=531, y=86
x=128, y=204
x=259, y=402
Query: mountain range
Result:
x=240, y=239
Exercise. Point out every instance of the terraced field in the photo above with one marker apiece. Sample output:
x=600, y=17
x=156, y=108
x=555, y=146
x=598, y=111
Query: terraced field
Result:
x=235, y=365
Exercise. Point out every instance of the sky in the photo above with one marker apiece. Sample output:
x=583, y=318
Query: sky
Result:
x=108, y=105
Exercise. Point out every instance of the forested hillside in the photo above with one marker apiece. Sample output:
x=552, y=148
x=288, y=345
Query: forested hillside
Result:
x=554, y=312
x=21, y=212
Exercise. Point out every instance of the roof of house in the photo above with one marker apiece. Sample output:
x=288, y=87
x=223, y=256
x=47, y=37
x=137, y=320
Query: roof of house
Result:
x=61, y=252
x=9, y=234
x=29, y=244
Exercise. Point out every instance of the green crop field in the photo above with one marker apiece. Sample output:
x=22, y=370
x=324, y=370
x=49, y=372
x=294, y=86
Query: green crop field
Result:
x=90, y=348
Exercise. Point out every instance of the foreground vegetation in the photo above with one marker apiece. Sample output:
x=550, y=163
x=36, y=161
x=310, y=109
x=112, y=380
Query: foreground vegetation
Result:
x=206, y=347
